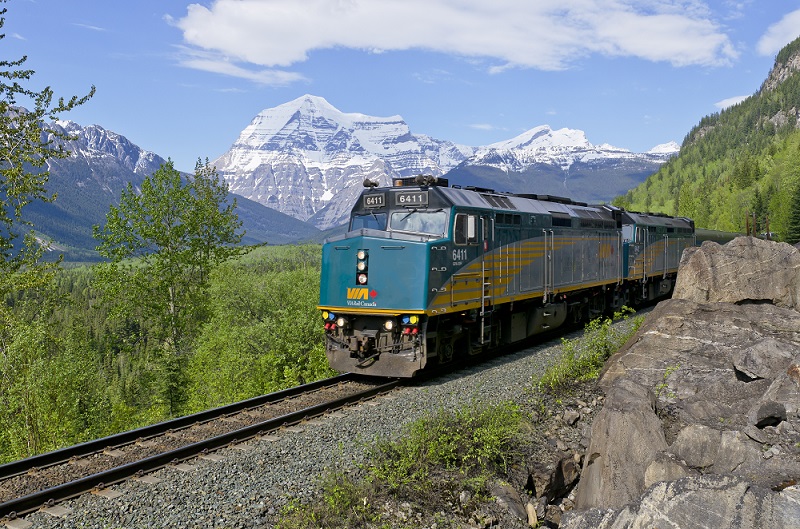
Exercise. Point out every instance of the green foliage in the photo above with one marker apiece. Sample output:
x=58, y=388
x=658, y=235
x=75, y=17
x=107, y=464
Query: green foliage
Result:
x=345, y=503
x=51, y=393
x=178, y=231
x=466, y=445
x=265, y=332
x=46, y=385
x=662, y=388
x=793, y=222
x=70, y=372
x=583, y=358
x=87, y=352
x=27, y=144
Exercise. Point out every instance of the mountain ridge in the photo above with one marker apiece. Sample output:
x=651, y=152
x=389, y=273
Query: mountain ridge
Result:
x=91, y=179
x=297, y=168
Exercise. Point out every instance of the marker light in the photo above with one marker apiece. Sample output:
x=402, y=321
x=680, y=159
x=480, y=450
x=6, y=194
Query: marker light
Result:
x=362, y=279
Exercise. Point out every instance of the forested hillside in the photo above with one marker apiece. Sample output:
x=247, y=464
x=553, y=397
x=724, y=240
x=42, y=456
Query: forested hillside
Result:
x=743, y=160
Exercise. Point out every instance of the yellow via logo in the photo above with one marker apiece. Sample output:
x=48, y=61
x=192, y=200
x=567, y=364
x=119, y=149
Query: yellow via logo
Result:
x=357, y=293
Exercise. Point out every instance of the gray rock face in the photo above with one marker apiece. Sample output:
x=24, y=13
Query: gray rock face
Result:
x=744, y=270
x=700, y=426
x=708, y=502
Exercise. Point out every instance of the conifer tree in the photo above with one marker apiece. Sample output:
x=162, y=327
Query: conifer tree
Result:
x=793, y=227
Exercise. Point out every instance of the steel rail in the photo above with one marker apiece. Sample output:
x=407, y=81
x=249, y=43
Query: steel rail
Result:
x=27, y=504
x=63, y=455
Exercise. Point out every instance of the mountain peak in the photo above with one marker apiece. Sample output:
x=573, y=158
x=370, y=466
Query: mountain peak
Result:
x=544, y=136
x=669, y=148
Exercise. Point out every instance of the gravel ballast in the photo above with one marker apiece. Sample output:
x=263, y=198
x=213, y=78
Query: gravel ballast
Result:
x=249, y=485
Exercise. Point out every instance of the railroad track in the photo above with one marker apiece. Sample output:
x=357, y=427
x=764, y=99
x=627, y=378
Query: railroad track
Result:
x=29, y=484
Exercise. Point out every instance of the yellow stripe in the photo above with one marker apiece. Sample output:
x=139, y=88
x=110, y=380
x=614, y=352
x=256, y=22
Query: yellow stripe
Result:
x=368, y=310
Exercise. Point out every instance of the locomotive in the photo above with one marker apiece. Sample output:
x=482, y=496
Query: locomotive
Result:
x=428, y=272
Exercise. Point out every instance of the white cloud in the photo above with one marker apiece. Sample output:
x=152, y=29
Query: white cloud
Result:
x=729, y=102
x=483, y=126
x=89, y=26
x=546, y=34
x=780, y=34
x=217, y=63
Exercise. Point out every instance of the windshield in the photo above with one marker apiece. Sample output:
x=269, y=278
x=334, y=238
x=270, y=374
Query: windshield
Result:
x=430, y=222
x=374, y=221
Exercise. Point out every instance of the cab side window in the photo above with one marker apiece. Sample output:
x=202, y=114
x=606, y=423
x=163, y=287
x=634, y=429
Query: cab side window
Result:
x=465, y=231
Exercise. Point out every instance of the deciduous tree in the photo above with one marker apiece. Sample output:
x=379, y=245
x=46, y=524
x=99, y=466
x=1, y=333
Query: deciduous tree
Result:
x=30, y=419
x=162, y=242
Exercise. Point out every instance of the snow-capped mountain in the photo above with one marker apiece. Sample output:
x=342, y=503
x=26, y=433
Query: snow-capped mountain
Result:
x=561, y=148
x=304, y=155
x=307, y=159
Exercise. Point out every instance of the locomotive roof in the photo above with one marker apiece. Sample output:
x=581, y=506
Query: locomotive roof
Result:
x=655, y=219
x=542, y=204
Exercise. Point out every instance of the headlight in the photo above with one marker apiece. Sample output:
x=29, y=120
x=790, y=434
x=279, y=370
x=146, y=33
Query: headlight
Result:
x=361, y=254
x=341, y=322
x=389, y=325
x=362, y=279
x=362, y=265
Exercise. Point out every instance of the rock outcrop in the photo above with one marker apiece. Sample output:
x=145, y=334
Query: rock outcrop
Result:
x=700, y=425
x=746, y=269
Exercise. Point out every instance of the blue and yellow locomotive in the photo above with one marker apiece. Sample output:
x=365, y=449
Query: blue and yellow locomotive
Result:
x=428, y=272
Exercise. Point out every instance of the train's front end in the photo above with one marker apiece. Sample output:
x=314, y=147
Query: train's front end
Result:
x=374, y=281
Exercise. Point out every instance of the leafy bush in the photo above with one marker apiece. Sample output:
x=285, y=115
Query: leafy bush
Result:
x=473, y=438
x=583, y=357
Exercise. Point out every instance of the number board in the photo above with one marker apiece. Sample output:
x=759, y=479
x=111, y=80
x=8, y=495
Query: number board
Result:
x=375, y=201
x=411, y=198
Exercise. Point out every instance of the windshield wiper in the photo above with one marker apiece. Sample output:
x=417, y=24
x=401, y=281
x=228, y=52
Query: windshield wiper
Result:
x=413, y=210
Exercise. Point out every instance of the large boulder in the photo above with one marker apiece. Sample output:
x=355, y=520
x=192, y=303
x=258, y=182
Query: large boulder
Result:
x=697, y=412
x=701, y=421
x=746, y=269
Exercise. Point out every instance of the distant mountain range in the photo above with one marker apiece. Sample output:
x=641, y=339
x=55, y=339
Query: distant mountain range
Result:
x=297, y=169
x=307, y=159
x=93, y=177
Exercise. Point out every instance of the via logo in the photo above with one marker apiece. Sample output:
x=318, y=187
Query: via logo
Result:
x=360, y=293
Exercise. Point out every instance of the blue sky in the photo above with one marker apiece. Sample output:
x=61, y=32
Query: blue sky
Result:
x=183, y=79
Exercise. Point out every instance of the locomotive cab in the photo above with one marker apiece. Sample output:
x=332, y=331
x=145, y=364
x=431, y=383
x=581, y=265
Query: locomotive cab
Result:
x=375, y=283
